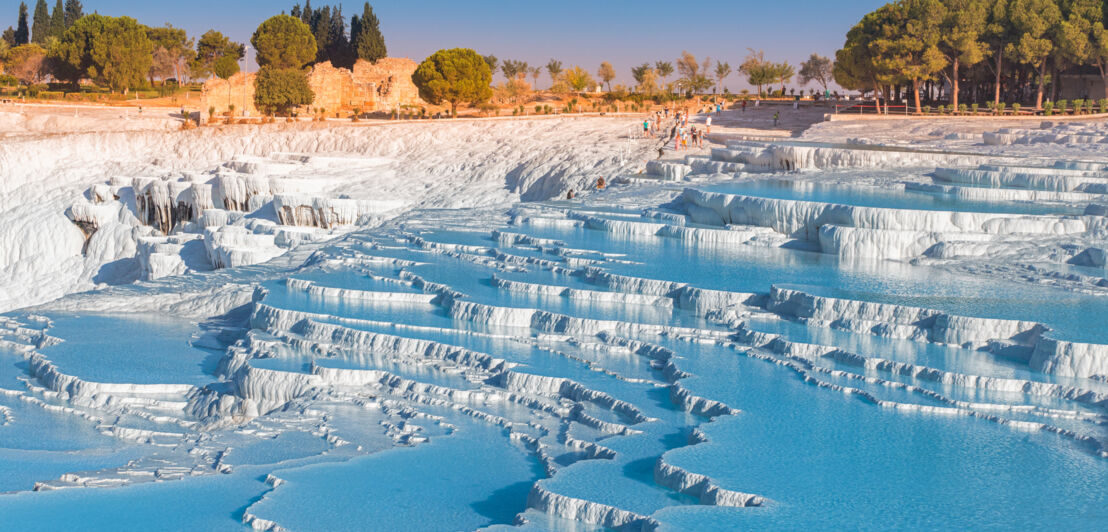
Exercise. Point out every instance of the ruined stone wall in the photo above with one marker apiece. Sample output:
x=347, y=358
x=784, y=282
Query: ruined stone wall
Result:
x=369, y=87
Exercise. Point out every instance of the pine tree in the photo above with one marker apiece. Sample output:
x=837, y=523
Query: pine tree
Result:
x=371, y=44
x=73, y=11
x=22, y=32
x=57, y=20
x=40, y=27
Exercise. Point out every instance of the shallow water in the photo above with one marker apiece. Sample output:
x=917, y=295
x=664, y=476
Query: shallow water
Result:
x=410, y=442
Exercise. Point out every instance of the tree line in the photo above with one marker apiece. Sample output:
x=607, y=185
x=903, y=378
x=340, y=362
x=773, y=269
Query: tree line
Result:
x=1009, y=49
x=120, y=53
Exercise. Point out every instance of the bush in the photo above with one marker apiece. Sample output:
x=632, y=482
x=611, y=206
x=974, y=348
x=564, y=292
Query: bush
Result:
x=1089, y=106
x=1016, y=108
x=8, y=81
x=992, y=107
x=974, y=108
x=1002, y=107
x=1048, y=108
x=962, y=108
x=278, y=90
x=1103, y=104
x=1060, y=106
x=538, y=109
x=1078, y=105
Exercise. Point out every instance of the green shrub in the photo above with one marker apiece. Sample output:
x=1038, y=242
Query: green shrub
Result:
x=8, y=81
x=1002, y=106
x=992, y=107
x=1016, y=108
x=538, y=109
x=1078, y=106
x=962, y=108
x=1089, y=106
x=1060, y=106
x=974, y=107
x=1103, y=105
x=1048, y=108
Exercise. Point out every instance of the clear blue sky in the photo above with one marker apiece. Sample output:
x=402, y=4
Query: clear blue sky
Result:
x=624, y=32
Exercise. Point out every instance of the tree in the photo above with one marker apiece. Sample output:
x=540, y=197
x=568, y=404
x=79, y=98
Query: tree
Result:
x=22, y=32
x=492, y=62
x=27, y=63
x=1035, y=22
x=457, y=75
x=818, y=69
x=960, y=39
x=648, y=80
x=279, y=90
x=513, y=69
x=73, y=12
x=57, y=20
x=9, y=37
x=694, y=76
x=1082, y=38
x=722, y=71
x=211, y=46
x=114, y=51
x=338, y=46
x=224, y=68
x=664, y=69
x=554, y=68
x=783, y=72
x=371, y=44
x=578, y=78
x=639, y=72
x=284, y=42
x=321, y=30
x=535, y=73
x=40, y=28
x=606, y=74
x=908, y=41
x=758, y=70
x=999, y=36
x=172, y=47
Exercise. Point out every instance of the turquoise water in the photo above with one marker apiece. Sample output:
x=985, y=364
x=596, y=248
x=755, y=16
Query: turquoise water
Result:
x=893, y=196
x=352, y=456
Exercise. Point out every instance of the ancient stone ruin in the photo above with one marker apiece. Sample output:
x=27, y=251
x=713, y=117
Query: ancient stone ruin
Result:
x=370, y=87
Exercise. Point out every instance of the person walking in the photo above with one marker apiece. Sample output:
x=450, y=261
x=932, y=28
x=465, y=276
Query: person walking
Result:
x=776, y=115
x=708, y=124
x=744, y=106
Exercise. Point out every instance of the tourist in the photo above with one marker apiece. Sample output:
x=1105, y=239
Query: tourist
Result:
x=600, y=183
x=708, y=124
x=570, y=194
x=744, y=106
x=646, y=128
x=776, y=115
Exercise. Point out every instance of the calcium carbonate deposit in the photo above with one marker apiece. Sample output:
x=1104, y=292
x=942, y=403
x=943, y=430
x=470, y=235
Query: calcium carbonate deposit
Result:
x=880, y=325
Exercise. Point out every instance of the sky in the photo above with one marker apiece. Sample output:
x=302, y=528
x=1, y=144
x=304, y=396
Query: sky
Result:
x=576, y=32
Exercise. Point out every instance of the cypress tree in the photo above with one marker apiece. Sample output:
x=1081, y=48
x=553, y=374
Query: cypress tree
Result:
x=307, y=15
x=321, y=29
x=22, y=32
x=371, y=44
x=338, y=46
x=57, y=20
x=295, y=13
x=9, y=37
x=355, y=34
x=40, y=27
x=73, y=11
